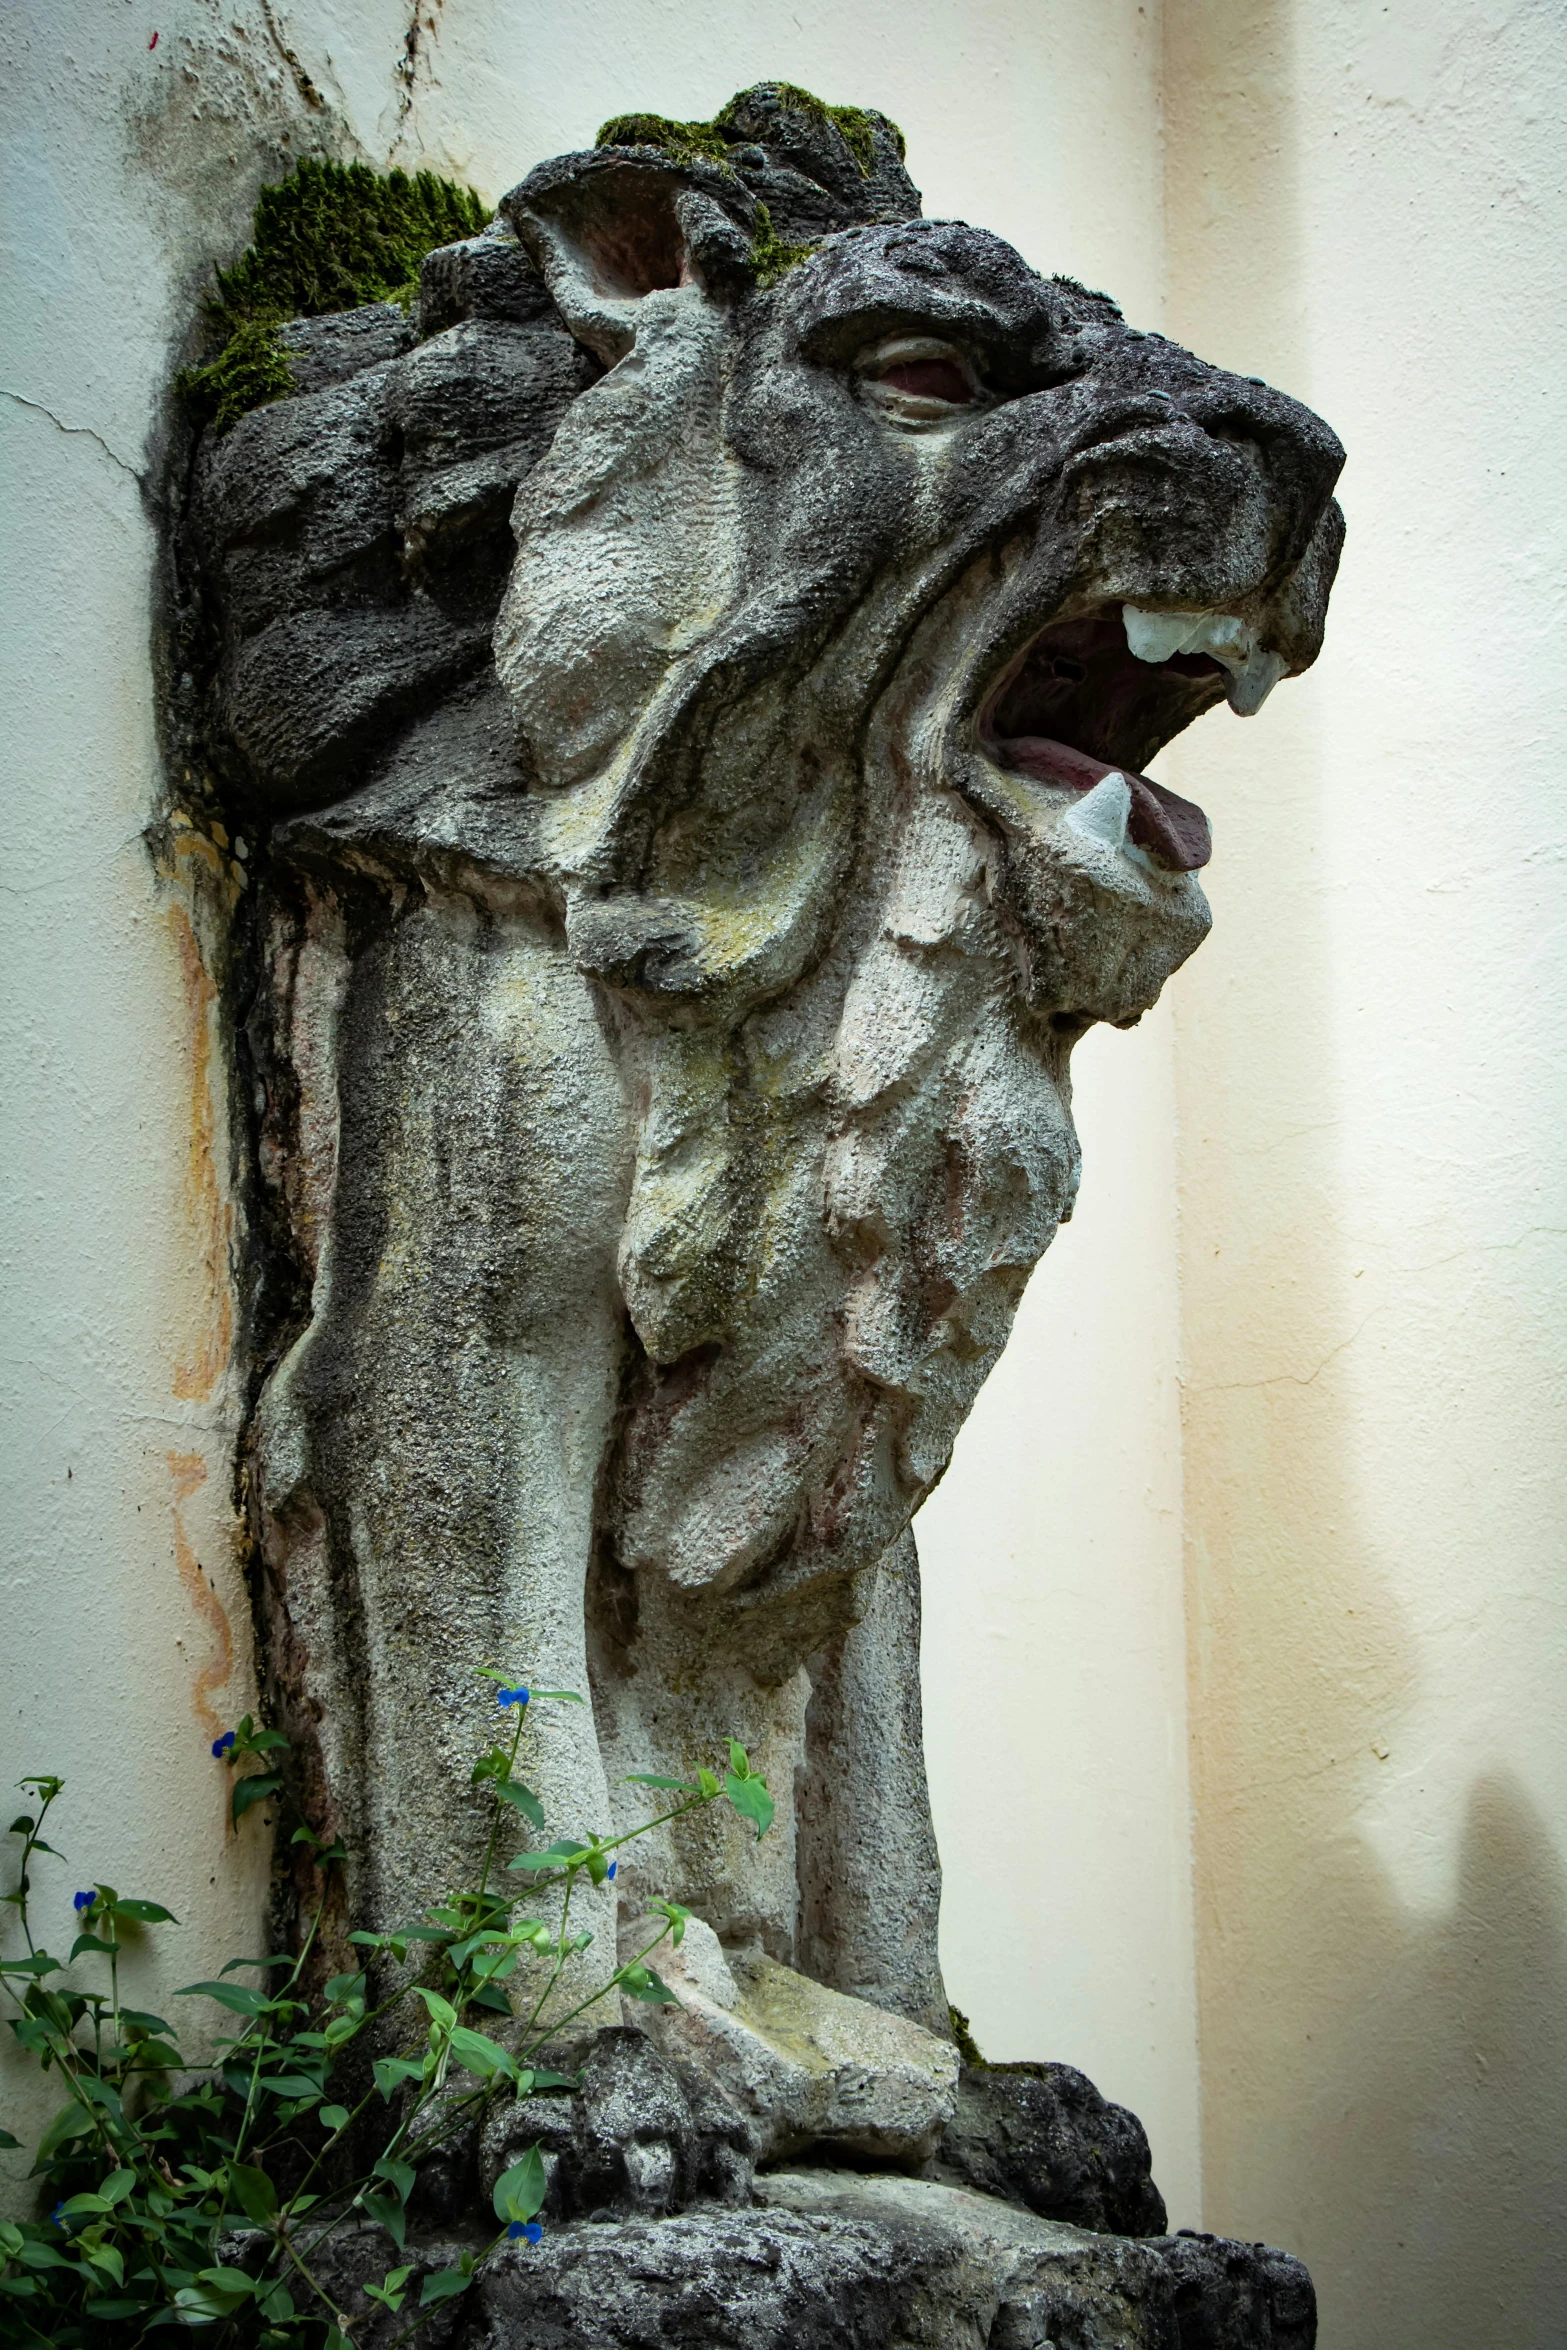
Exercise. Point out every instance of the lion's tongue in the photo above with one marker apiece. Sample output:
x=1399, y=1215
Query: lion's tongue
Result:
x=1169, y=828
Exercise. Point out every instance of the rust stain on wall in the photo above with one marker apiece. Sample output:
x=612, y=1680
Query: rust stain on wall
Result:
x=189, y=1472
x=212, y=1216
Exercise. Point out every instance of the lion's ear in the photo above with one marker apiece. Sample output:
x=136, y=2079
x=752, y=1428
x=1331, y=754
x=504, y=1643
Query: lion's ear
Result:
x=609, y=228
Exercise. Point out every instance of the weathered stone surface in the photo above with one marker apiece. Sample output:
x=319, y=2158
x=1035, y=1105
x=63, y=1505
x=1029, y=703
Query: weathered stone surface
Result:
x=1042, y=2136
x=805, y=2064
x=642, y=2133
x=838, y=2261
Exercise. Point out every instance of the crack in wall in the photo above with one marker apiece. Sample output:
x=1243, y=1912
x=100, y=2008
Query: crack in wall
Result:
x=302, y=81
x=85, y=429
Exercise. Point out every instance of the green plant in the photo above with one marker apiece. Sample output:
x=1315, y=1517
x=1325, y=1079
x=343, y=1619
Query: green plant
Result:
x=331, y=236
x=209, y=2206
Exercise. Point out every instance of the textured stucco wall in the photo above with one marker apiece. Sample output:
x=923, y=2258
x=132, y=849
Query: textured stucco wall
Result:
x=129, y=167
x=1366, y=204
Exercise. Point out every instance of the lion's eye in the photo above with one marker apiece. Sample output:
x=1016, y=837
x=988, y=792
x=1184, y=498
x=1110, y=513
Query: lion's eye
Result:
x=915, y=381
x=933, y=379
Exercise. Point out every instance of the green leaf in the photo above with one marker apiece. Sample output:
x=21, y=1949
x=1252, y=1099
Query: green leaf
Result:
x=278, y=1958
x=678, y=1918
x=117, y=2186
x=492, y=1998
x=257, y=2195
x=145, y=1913
x=443, y=2285
x=237, y=1997
x=566, y=1853
x=387, y=2212
x=292, y=2085
x=254, y=1790
x=401, y=2175
x=481, y=2056
x=738, y=1760
x=640, y=1982
x=441, y=2010
x=548, y=2080
x=333, y=2117
x=40, y=1963
x=278, y=2306
x=21, y=1825
x=522, y=1799
x=106, y=2257
x=390, y=2070
x=77, y=2206
x=565, y=1696
x=89, y=1942
x=655, y=1779
x=751, y=1799
x=707, y=1784
x=105, y=2311
x=520, y=2192
x=70, y=2122
x=139, y=2020
x=7, y=2141
x=213, y=2296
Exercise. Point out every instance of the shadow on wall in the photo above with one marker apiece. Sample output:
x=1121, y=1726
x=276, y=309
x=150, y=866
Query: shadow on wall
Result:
x=1431, y=2115
x=1385, y=2083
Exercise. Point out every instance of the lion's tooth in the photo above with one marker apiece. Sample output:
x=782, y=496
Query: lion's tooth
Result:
x=1154, y=636
x=1253, y=680
x=1158, y=636
x=1103, y=813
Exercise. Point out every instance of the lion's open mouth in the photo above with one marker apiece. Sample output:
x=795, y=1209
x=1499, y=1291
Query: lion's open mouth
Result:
x=1081, y=705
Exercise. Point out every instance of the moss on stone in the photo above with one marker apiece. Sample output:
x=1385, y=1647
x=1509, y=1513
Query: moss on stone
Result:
x=770, y=255
x=332, y=236
x=709, y=142
x=683, y=142
x=856, y=128
x=967, y=2048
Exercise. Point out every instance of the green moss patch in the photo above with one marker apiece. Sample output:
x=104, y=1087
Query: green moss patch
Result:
x=683, y=142
x=852, y=123
x=332, y=236
x=770, y=256
x=686, y=142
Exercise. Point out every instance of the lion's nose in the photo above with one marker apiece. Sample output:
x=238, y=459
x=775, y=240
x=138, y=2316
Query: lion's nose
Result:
x=1298, y=453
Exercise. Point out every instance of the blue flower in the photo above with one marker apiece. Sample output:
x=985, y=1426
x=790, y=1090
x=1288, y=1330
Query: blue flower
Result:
x=55, y=2215
x=83, y=1901
x=221, y=1745
x=610, y=1871
x=511, y=1697
x=525, y=2227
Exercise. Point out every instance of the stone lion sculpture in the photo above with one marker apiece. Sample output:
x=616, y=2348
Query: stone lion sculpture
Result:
x=690, y=686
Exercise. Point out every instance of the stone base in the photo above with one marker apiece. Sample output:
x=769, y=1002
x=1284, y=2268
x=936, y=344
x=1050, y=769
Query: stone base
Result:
x=842, y=2260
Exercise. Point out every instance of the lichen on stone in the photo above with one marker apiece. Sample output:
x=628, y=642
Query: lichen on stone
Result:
x=771, y=256
x=332, y=236
x=683, y=142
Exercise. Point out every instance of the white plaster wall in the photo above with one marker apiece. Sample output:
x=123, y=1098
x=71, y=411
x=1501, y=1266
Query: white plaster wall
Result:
x=1055, y=1688
x=1367, y=206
